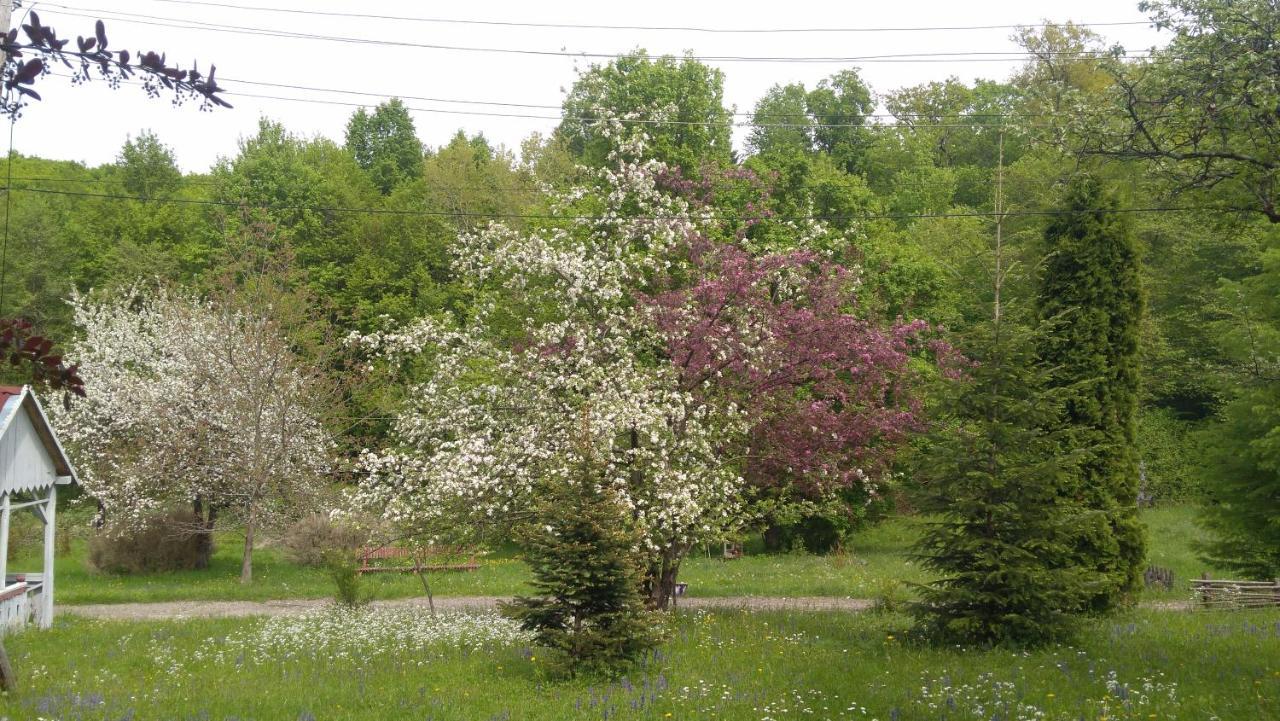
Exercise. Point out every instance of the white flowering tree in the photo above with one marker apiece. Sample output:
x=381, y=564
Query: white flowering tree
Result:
x=195, y=402
x=557, y=338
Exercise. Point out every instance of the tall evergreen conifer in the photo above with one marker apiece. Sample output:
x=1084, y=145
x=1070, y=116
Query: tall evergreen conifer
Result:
x=1091, y=289
x=995, y=476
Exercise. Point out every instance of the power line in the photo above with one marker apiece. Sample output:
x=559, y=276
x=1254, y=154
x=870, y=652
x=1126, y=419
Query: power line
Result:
x=639, y=28
x=112, y=181
x=562, y=217
x=543, y=106
x=587, y=120
x=633, y=121
x=919, y=57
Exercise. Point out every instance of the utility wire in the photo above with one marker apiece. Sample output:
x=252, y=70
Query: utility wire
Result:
x=587, y=120
x=631, y=121
x=639, y=28
x=920, y=57
x=543, y=106
x=563, y=217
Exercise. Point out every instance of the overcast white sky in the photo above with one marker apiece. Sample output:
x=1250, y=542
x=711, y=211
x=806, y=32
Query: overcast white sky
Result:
x=89, y=124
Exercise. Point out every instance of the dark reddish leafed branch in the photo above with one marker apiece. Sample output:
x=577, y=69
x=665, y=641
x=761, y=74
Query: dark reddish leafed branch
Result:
x=42, y=365
x=42, y=48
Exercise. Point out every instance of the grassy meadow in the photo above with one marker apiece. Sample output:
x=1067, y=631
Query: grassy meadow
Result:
x=875, y=564
x=767, y=666
x=717, y=665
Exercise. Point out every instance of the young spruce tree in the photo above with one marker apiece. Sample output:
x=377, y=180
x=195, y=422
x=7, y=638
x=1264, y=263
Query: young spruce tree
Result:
x=1005, y=539
x=582, y=547
x=1090, y=288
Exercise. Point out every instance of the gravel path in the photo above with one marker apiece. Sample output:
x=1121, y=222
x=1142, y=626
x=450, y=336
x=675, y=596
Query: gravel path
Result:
x=229, y=609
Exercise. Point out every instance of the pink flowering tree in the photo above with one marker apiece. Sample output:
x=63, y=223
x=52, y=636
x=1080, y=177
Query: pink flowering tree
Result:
x=827, y=393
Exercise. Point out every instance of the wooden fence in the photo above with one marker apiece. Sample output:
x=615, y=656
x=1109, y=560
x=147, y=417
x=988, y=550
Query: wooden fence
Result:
x=1217, y=593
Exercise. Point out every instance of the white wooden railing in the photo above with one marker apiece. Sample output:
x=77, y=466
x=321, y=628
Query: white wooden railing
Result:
x=15, y=606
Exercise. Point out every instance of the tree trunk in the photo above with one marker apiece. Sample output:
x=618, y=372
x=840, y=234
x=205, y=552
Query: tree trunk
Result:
x=422, y=576
x=246, y=562
x=661, y=579
x=774, y=538
x=205, y=558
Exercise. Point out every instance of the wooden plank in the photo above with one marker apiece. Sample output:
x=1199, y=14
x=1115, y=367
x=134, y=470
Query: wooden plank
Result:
x=13, y=591
x=46, y=593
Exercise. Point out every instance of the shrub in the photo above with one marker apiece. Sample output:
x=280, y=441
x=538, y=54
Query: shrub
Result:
x=310, y=541
x=346, y=579
x=170, y=542
x=891, y=596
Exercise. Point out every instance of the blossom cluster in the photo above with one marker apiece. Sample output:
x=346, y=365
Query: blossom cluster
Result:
x=686, y=363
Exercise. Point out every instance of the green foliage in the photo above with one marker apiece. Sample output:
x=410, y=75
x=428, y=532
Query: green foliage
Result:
x=1242, y=467
x=679, y=89
x=582, y=549
x=1241, y=459
x=385, y=144
x=1201, y=112
x=342, y=570
x=147, y=167
x=999, y=481
x=1186, y=256
x=827, y=120
x=1167, y=457
x=1090, y=290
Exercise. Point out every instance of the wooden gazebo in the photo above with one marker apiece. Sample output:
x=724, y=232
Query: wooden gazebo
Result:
x=32, y=466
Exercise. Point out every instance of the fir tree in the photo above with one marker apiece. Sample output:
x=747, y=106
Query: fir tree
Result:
x=582, y=548
x=1004, y=542
x=1091, y=288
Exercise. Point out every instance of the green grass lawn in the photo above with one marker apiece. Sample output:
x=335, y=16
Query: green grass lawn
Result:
x=876, y=563
x=720, y=665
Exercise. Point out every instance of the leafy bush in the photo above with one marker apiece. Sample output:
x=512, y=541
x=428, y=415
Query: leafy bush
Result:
x=310, y=540
x=346, y=579
x=1167, y=454
x=818, y=526
x=171, y=542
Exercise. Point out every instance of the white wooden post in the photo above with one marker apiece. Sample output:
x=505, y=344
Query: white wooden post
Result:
x=4, y=539
x=46, y=591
